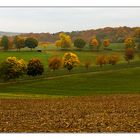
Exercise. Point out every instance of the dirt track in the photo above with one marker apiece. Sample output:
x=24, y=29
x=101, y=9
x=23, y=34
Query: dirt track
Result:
x=117, y=113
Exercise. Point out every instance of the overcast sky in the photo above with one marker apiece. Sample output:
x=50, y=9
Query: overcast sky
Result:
x=66, y=19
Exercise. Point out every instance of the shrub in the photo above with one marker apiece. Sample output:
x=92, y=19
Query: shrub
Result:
x=35, y=67
x=129, y=54
x=101, y=60
x=70, y=60
x=12, y=68
x=87, y=64
x=113, y=59
x=54, y=63
x=79, y=43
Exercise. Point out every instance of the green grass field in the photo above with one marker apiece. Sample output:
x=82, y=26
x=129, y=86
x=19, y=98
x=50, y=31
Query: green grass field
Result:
x=118, y=79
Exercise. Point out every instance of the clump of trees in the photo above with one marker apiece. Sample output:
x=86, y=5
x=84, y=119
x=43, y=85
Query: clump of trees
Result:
x=64, y=41
x=12, y=68
x=54, y=63
x=79, y=43
x=70, y=60
x=35, y=67
x=129, y=54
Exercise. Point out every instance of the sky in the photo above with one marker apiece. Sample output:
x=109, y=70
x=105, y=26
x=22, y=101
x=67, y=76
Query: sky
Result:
x=66, y=19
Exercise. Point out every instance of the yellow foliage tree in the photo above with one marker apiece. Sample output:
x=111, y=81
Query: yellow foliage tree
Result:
x=64, y=41
x=129, y=42
x=70, y=60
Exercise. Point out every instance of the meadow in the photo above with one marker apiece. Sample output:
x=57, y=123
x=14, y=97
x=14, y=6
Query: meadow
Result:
x=98, y=99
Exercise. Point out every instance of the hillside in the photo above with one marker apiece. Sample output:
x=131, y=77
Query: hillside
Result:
x=8, y=33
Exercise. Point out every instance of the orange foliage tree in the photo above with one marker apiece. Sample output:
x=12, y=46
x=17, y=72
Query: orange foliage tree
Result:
x=106, y=43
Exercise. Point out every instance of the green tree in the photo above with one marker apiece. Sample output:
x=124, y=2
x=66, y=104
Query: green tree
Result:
x=5, y=42
x=79, y=43
x=31, y=42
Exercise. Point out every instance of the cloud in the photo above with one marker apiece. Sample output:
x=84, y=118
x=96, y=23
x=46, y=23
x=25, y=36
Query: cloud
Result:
x=66, y=19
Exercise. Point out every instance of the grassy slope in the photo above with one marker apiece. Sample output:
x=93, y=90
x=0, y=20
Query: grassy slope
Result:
x=108, y=82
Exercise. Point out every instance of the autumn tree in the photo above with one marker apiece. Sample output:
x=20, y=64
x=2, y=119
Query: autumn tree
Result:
x=101, y=60
x=79, y=43
x=35, y=67
x=31, y=42
x=5, y=42
x=137, y=36
x=129, y=54
x=113, y=59
x=54, y=63
x=64, y=41
x=70, y=60
x=129, y=42
x=12, y=68
x=94, y=43
x=106, y=43
x=19, y=42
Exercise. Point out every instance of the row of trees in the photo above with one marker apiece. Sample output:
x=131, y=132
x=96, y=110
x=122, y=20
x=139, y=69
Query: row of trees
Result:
x=18, y=42
x=66, y=42
x=12, y=67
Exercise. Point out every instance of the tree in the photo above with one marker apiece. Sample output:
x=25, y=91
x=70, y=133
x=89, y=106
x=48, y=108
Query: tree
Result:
x=64, y=41
x=101, y=60
x=35, y=67
x=5, y=42
x=12, y=68
x=137, y=36
x=113, y=59
x=70, y=60
x=31, y=42
x=129, y=42
x=87, y=64
x=55, y=63
x=79, y=43
x=129, y=54
x=19, y=42
x=106, y=43
x=94, y=43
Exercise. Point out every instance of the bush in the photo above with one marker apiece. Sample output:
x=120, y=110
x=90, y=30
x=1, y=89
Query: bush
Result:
x=79, y=43
x=129, y=54
x=35, y=67
x=113, y=59
x=12, y=68
x=101, y=60
x=87, y=64
x=70, y=60
x=55, y=63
